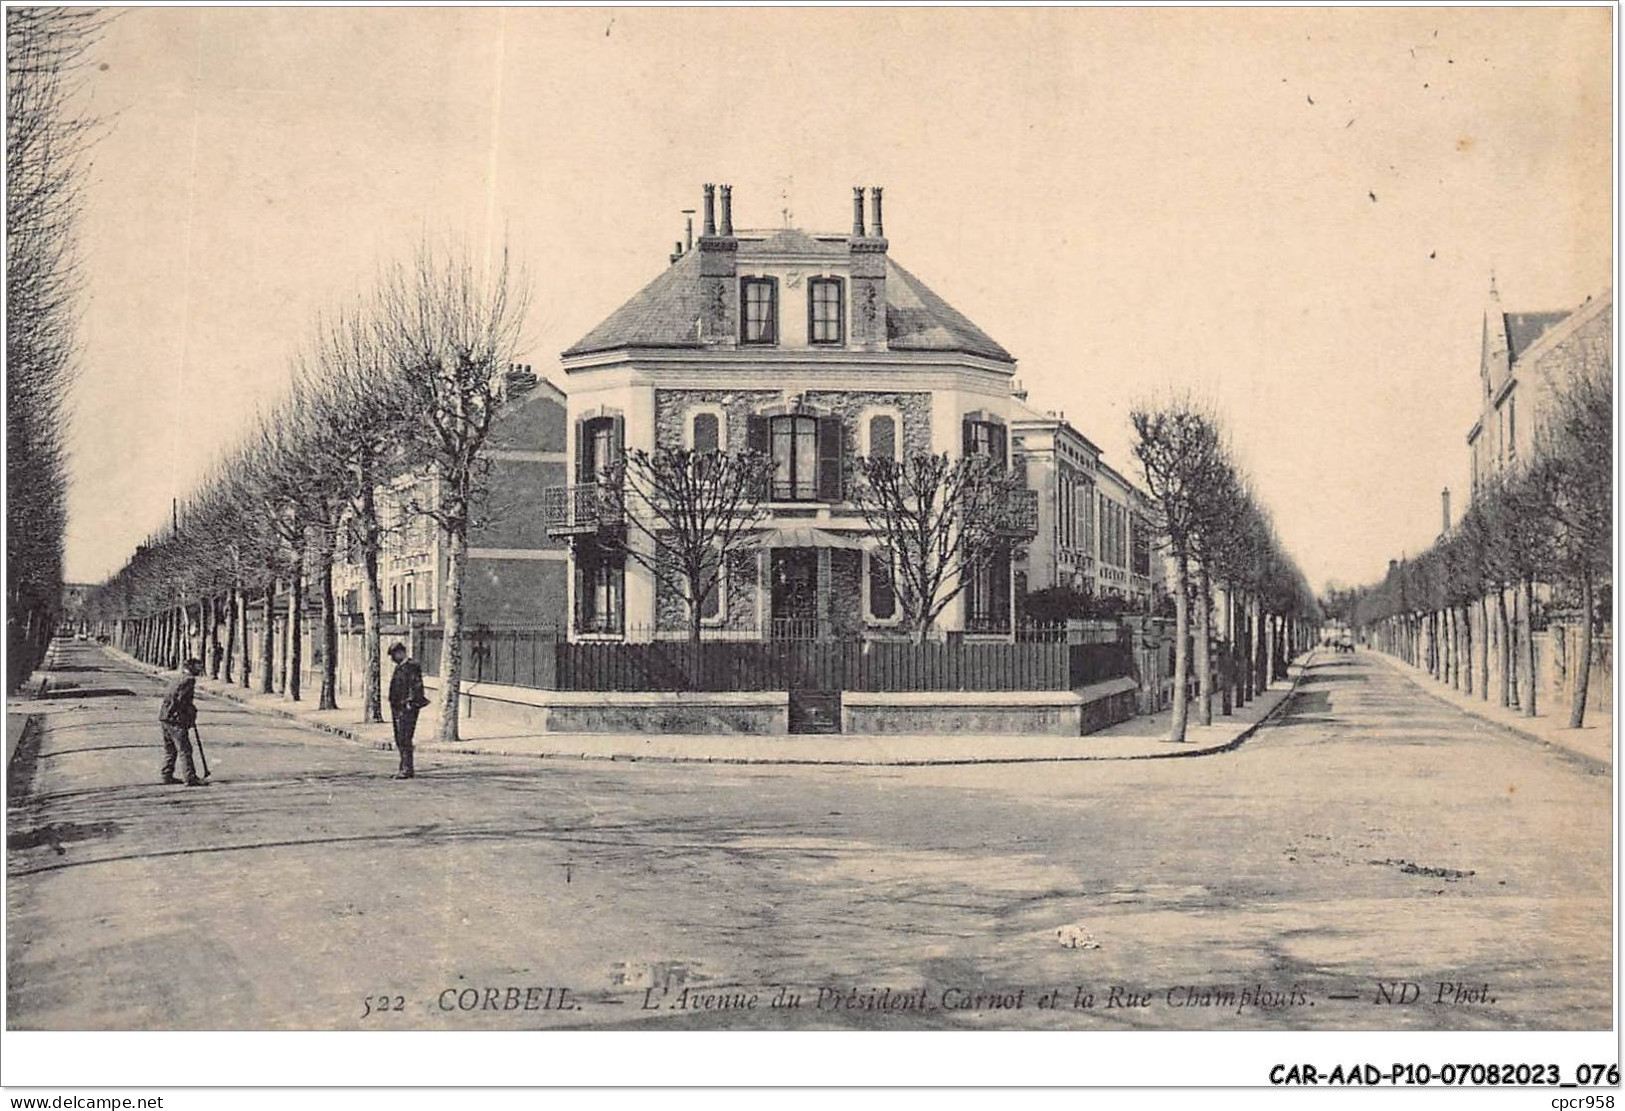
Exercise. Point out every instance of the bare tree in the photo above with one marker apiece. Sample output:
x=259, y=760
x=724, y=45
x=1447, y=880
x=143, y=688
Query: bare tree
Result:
x=45, y=143
x=449, y=327
x=1571, y=486
x=684, y=513
x=938, y=520
x=364, y=408
x=1180, y=451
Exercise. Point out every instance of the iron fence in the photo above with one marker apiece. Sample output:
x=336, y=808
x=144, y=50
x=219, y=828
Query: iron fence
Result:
x=1040, y=658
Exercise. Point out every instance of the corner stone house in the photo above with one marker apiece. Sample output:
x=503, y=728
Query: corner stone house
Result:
x=812, y=348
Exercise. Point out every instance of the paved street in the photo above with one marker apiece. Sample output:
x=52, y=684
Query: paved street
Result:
x=1368, y=834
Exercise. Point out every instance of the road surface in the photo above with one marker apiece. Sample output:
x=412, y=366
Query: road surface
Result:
x=1370, y=859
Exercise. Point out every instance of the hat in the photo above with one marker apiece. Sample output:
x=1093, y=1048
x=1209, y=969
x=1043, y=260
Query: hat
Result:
x=396, y=647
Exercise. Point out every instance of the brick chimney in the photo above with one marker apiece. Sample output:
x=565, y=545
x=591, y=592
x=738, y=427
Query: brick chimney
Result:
x=719, y=272
x=868, y=262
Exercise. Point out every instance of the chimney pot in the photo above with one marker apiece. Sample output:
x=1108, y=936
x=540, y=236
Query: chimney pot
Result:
x=688, y=231
x=710, y=225
x=878, y=221
x=857, y=211
x=727, y=210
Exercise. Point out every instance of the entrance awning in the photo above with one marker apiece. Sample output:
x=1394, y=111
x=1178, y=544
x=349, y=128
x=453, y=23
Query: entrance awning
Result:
x=806, y=536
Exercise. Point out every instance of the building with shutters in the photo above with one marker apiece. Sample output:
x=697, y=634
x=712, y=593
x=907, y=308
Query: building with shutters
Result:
x=1095, y=527
x=812, y=348
x=516, y=573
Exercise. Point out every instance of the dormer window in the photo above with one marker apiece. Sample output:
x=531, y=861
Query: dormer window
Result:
x=825, y=311
x=760, y=320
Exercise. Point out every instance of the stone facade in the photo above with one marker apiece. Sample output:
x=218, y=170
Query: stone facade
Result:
x=849, y=405
x=672, y=409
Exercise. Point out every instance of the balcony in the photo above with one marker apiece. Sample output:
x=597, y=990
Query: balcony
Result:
x=1017, y=517
x=579, y=510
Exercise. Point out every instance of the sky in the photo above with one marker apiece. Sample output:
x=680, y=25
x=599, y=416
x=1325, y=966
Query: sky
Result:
x=1291, y=214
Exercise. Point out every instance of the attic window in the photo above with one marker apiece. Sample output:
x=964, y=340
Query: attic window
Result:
x=760, y=322
x=824, y=316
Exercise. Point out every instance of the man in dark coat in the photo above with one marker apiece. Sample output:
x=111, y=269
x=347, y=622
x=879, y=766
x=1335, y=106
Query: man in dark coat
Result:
x=177, y=714
x=406, y=698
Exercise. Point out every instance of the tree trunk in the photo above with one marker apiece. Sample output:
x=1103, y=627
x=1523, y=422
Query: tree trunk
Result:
x=451, y=644
x=1530, y=678
x=1582, y=665
x=372, y=603
x=1182, y=652
x=1260, y=650
x=1484, y=649
x=1503, y=630
x=268, y=641
x=246, y=639
x=296, y=633
x=231, y=632
x=330, y=629
x=1227, y=654
x=1468, y=644
x=1204, y=648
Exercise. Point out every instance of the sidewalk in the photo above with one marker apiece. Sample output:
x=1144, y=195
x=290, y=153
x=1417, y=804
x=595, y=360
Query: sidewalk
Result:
x=1140, y=738
x=1550, y=725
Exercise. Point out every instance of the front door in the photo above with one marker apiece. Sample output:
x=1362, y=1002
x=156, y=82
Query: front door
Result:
x=795, y=593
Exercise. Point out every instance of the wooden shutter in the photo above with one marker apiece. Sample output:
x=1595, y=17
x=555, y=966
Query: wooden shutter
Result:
x=999, y=436
x=583, y=453
x=617, y=440
x=830, y=450
x=757, y=434
x=969, y=438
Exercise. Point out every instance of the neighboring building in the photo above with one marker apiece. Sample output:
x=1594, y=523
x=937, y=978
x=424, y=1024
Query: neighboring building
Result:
x=813, y=348
x=1523, y=356
x=1095, y=527
x=1061, y=465
x=516, y=572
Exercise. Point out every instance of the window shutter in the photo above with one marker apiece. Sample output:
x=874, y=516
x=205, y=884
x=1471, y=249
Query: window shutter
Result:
x=829, y=458
x=757, y=435
x=706, y=432
x=999, y=588
x=970, y=438
x=999, y=436
x=617, y=440
x=583, y=453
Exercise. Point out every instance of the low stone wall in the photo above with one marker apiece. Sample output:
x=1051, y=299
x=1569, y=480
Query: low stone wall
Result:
x=1053, y=713
x=538, y=711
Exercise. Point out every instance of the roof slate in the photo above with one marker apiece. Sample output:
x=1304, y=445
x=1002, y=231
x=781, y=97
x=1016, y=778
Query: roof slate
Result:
x=667, y=311
x=1524, y=328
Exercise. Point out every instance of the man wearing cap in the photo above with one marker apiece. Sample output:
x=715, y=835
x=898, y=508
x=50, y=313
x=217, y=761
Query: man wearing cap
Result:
x=177, y=714
x=406, y=698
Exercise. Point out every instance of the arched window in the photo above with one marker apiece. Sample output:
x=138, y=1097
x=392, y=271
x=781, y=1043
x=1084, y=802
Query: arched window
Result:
x=707, y=428
x=882, y=431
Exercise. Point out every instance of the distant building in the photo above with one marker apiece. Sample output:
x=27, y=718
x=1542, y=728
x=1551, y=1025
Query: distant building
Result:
x=813, y=348
x=515, y=574
x=1095, y=527
x=1523, y=356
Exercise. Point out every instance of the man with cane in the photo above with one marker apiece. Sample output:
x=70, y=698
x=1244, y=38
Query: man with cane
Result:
x=178, y=714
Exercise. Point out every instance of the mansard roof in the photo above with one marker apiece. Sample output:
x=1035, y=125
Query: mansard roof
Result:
x=666, y=312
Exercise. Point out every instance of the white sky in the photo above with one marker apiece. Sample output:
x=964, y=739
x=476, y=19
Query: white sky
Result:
x=1131, y=201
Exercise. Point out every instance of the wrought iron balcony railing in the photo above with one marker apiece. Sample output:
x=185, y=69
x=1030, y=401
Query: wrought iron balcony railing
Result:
x=1017, y=517
x=580, y=509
